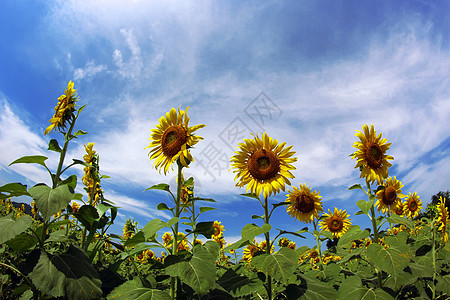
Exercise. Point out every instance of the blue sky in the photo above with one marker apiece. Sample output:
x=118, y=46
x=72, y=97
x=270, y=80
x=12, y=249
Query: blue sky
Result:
x=309, y=73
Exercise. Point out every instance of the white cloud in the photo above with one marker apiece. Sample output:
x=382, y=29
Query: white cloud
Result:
x=89, y=71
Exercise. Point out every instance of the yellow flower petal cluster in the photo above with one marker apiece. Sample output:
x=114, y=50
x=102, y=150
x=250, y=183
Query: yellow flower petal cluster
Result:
x=172, y=139
x=305, y=205
x=443, y=219
x=63, y=110
x=371, y=157
x=91, y=174
x=219, y=229
x=389, y=197
x=337, y=222
x=263, y=165
x=249, y=251
x=412, y=206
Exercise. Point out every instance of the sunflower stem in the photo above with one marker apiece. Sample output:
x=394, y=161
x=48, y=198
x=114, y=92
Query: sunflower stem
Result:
x=375, y=230
x=177, y=214
x=268, y=245
x=433, y=236
x=318, y=242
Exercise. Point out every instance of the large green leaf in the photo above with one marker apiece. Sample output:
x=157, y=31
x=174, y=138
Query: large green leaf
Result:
x=13, y=190
x=392, y=260
x=152, y=227
x=34, y=159
x=280, y=265
x=199, y=272
x=50, y=201
x=205, y=228
x=22, y=242
x=311, y=289
x=87, y=215
x=161, y=186
x=239, y=284
x=10, y=228
x=249, y=231
x=133, y=289
x=69, y=275
x=352, y=288
x=54, y=146
x=396, y=219
x=443, y=284
x=354, y=233
x=365, y=205
x=136, y=239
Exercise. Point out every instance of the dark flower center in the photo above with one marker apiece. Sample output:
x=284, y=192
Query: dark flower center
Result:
x=263, y=164
x=335, y=224
x=389, y=195
x=304, y=204
x=413, y=205
x=374, y=155
x=173, y=139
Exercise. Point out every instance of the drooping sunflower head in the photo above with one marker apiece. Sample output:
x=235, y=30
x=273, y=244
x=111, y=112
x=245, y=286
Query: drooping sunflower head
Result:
x=263, y=165
x=398, y=209
x=263, y=246
x=443, y=219
x=64, y=110
x=412, y=206
x=283, y=242
x=172, y=139
x=305, y=204
x=249, y=251
x=219, y=229
x=337, y=222
x=292, y=245
x=167, y=239
x=390, y=196
x=371, y=157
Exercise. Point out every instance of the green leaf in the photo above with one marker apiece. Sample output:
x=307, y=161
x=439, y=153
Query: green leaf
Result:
x=365, y=205
x=205, y=208
x=10, y=228
x=81, y=162
x=396, y=219
x=69, y=275
x=199, y=272
x=354, y=233
x=250, y=195
x=356, y=186
x=138, y=238
x=254, y=217
x=22, y=242
x=172, y=221
x=133, y=289
x=392, y=260
x=238, y=284
x=87, y=215
x=152, y=227
x=54, y=146
x=161, y=186
x=50, y=201
x=249, y=231
x=34, y=159
x=205, y=228
x=310, y=289
x=327, y=234
x=292, y=233
x=443, y=284
x=352, y=288
x=13, y=190
x=57, y=236
x=280, y=265
x=80, y=132
x=162, y=206
x=203, y=199
x=71, y=181
x=238, y=244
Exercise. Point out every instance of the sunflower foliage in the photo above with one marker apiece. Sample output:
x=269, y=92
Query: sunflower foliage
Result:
x=60, y=246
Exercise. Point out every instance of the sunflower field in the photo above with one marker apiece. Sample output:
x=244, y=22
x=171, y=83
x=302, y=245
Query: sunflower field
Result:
x=62, y=248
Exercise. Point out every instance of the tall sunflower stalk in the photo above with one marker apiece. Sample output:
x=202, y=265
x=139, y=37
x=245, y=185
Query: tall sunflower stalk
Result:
x=263, y=166
x=372, y=161
x=170, y=143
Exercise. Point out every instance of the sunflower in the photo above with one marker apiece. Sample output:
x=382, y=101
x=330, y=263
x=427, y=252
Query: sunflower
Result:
x=337, y=222
x=219, y=229
x=249, y=251
x=292, y=245
x=129, y=229
x=389, y=197
x=412, y=206
x=172, y=139
x=167, y=238
x=283, y=242
x=263, y=165
x=63, y=110
x=371, y=155
x=75, y=207
x=304, y=204
x=262, y=245
x=398, y=209
x=91, y=174
x=443, y=218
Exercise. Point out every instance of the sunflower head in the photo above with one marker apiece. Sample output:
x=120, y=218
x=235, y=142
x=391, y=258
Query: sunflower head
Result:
x=167, y=239
x=172, y=139
x=249, y=251
x=412, y=206
x=64, y=110
x=218, y=230
x=337, y=222
x=263, y=165
x=263, y=246
x=398, y=209
x=371, y=157
x=304, y=204
x=292, y=245
x=443, y=219
x=283, y=242
x=389, y=197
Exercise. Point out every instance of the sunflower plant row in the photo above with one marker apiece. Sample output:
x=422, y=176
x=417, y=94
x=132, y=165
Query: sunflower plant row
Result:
x=62, y=246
